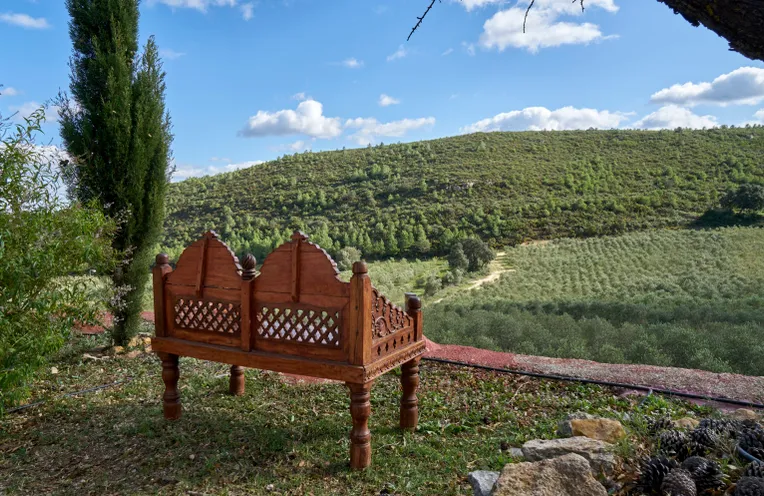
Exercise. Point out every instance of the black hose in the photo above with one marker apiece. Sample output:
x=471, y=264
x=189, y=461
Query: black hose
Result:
x=748, y=456
x=667, y=392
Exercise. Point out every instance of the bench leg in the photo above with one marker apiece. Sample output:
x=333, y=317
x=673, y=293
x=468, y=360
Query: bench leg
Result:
x=409, y=401
x=170, y=375
x=236, y=385
x=360, y=437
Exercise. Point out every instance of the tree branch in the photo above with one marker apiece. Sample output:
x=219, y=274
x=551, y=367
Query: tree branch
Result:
x=420, y=19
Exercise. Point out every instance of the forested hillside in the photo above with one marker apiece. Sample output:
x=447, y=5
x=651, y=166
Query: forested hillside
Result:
x=414, y=199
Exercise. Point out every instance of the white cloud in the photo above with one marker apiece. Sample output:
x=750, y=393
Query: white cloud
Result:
x=170, y=54
x=744, y=86
x=200, y=5
x=673, y=116
x=308, y=119
x=759, y=115
x=352, y=63
x=185, y=171
x=369, y=128
x=387, y=100
x=26, y=109
x=474, y=4
x=399, y=54
x=299, y=96
x=540, y=118
x=24, y=20
x=505, y=28
x=8, y=91
x=448, y=51
x=221, y=159
x=469, y=47
x=247, y=11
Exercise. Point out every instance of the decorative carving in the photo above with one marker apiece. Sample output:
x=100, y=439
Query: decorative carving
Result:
x=205, y=315
x=386, y=318
x=299, y=324
x=381, y=366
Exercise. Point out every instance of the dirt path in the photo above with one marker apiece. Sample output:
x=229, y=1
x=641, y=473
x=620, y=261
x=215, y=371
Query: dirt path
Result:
x=495, y=270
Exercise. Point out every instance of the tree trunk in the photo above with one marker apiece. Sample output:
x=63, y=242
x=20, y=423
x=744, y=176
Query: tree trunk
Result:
x=740, y=22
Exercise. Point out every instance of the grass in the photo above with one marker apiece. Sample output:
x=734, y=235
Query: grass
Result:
x=293, y=436
x=683, y=298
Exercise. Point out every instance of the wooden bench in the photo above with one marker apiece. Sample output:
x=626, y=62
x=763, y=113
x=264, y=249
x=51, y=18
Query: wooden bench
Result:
x=296, y=316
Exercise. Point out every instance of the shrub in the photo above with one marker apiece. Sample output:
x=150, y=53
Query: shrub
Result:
x=432, y=285
x=477, y=252
x=453, y=277
x=747, y=198
x=457, y=259
x=42, y=242
x=347, y=256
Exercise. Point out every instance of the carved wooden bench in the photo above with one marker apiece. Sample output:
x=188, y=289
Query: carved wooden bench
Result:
x=296, y=316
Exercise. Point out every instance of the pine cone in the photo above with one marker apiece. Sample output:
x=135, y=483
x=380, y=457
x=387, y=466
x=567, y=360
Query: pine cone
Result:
x=652, y=473
x=707, y=474
x=750, y=486
x=752, y=440
x=679, y=483
x=723, y=427
x=657, y=425
x=754, y=469
x=705, y=437
x=673, y=442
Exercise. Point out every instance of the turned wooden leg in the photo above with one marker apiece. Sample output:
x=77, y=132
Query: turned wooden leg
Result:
x=360, y=437
x=236, y=386
x=170, y=375
x=409, y=401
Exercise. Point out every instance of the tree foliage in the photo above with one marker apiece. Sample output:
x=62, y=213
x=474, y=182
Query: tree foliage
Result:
x=477, y=252
x=746, y=198
x=41, y=242
x=117, y=132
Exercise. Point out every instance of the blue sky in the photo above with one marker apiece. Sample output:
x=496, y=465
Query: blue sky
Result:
x=249, y=81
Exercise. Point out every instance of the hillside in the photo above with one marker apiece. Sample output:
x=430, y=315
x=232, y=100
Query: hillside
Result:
x=415, y=199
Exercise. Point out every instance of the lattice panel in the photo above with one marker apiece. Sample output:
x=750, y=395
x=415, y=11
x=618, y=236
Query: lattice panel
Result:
x=386, y=318
x=392, y=345
x=299, y=325
x=204, y=315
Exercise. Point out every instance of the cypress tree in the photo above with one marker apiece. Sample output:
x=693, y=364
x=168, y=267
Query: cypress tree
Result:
x=117, y=132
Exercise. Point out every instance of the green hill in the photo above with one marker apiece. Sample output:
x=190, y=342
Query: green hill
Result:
x=414, y=199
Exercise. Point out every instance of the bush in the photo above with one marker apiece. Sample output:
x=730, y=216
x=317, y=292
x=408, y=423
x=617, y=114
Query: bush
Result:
x=453, y=277
x=432, y=285
x=457, y=260
x=747, y=198
x=478, y=254
x=347, y=256
x=42, y=242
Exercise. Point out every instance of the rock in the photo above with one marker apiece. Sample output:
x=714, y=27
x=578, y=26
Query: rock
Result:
x=146, y=341
x=596, y=452
x=686, y=423
x=516, y=453
x=133, y=354
x=134, y=342
x=744, y=414
x=87, y=356
x=117, y=350
x=54, y=370
x=600, y=428
x=482, y=482
x=564, y=428
x=568, y=475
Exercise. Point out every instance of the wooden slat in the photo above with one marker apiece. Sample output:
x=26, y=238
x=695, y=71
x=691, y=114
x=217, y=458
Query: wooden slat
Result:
x=359, y=321
x=319, y=301
x=295, y=272
x=300, y=349
x=262, y=360
x=210, y=337
x=247, y=317
x=159, y=272
x=201, y=267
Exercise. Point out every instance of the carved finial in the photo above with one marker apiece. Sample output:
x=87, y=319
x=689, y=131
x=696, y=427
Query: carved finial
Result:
x=413, y=303
x=248, y=267
x=299, y=236
x=360, y=268
x=163, y=259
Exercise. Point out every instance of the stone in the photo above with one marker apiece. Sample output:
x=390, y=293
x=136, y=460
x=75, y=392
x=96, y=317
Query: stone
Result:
x=133, y=354
x=118, y=349
x=600, y=428
x=686, y=423
x=564, y=428
x=134, y=342
x=482, y=482
x=516, y=453
x=54, y=370
x=568, y=475
x=146, y=341
x=744, y=414
x=597, y=452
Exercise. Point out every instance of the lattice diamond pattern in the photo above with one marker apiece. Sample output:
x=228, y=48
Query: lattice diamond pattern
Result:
x=299, y=325
x=202, y=315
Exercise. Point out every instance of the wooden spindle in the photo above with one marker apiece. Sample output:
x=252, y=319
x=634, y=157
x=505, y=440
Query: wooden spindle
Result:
x=170, y=376
x=360, y=335
x=409, y=416
x=236, y=384
x=360, y=436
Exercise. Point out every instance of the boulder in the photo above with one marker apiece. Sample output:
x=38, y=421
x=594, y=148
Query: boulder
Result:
x=686, y=423
x=568, y=475
x=482, y=482
x=601, y=429
x=596, y=452
x=564, y=429
x=744, y=414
